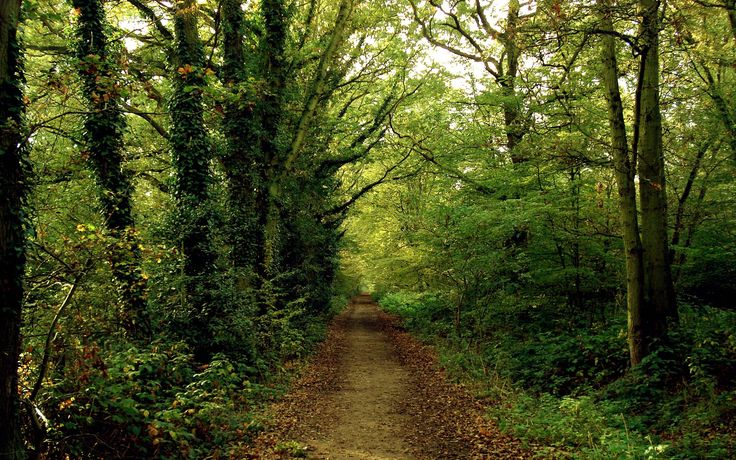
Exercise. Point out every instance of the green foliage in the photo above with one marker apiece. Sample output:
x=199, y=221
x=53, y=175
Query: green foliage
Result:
x=292, y=448
x=151, y=402
x=561, y=362
x=422, y=312
x=514, y=267
x=570, y=391
x=580, y=427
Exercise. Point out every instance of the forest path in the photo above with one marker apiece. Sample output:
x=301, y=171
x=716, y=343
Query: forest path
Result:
x=369, y=421
x=372, y=392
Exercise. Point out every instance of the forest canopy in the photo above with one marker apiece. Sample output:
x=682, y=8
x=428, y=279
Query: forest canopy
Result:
x=192, y=188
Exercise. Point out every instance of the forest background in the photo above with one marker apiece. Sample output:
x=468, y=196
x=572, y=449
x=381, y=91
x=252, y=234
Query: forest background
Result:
x=190, y=190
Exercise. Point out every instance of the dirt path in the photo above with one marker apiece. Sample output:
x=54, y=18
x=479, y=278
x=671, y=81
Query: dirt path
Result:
x=368, y=418
x=374, y=392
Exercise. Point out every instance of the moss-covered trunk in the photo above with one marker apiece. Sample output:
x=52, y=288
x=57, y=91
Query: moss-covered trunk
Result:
x=12, y=240
x=624, y=174
x=191, y=154
x=103, y=136
x=659, y=291
x=271, y=111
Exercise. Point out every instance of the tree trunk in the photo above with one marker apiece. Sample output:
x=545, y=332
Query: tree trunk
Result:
x=271, y=112
x=191, y=154
x=104, y=126
x=242, y=159
x=507, y=82
x=12, y=238
x=624, y=174
x=659, y=291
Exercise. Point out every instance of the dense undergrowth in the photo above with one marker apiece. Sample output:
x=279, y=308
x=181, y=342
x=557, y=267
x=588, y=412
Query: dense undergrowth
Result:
x=113, y=399
x=564, y=385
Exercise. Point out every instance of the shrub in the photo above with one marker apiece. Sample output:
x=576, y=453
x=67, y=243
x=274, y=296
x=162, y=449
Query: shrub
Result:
x=562, y=362
x=152, y=401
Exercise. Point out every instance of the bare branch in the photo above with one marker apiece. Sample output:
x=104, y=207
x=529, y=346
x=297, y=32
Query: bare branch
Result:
x=43, y=367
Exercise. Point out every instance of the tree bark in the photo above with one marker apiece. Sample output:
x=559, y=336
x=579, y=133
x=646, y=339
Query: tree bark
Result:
x=241, y=161
x=507, y=82
x=12, y=237
x=271, y=112
x=624, y=174
x=191, y=154
x=659, y=290
x=104, y=127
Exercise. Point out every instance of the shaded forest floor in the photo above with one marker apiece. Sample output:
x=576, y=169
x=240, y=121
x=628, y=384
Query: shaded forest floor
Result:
x=374, y=392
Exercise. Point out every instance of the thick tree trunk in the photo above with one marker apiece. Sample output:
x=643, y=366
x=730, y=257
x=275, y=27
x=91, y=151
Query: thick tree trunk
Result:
x=659, y=292
x=507, y=81
x=624, y=173
x=271, y=112
x=191, y=154
x=12, y=239
x=104, y=127
x=242, y=159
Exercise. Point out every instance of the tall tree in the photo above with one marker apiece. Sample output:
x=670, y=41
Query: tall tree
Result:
x=252, y=122
x=468, y=24
x=241, y=128
x=12, y=244
x=103, y=136
x=650, y=292
x=191, y=154
x=624, y=170
x=271, y=112
x=659, y=291
x=279, y=155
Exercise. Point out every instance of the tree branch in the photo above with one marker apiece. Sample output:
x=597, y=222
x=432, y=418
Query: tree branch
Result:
x=147, y=116
x=367, y=188
x=148, y=12
x=50, y=336
x=428, y=155
x=316, y=88
x=628, y=39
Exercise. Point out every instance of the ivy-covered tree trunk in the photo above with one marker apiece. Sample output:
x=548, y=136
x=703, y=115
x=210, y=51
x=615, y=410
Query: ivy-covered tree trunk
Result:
x=275, y=17
x=624, y=174
x=511, y=109
x=103, y=135
x=252, y=128
x=659, y=291
x=12, y=239
x=242, y=158
x=191, y=154
x=315, y=92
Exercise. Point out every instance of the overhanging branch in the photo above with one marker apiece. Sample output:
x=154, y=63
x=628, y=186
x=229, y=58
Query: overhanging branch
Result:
x=367, y=188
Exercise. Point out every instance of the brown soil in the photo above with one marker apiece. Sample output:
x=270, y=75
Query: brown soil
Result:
x=374, y=392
